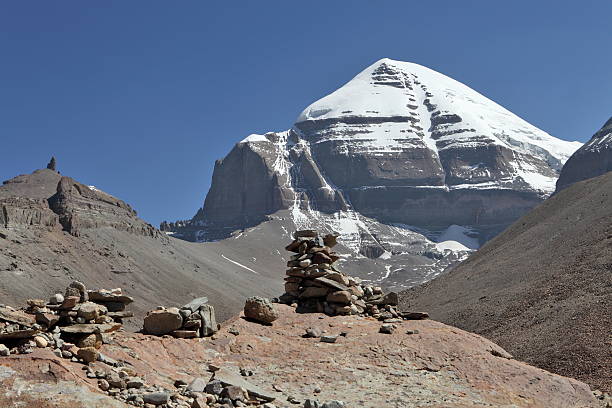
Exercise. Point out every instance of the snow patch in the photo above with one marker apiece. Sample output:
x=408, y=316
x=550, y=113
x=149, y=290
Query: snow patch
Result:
x=456, y=238
x=239, y=264
x=253, y=138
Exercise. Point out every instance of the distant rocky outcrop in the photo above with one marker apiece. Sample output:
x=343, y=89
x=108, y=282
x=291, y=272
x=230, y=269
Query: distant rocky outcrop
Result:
x=591, y=160
x=82, y=207
x=52, y=164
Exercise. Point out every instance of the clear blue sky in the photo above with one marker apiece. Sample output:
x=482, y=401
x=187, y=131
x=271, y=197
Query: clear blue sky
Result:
x=140, y=97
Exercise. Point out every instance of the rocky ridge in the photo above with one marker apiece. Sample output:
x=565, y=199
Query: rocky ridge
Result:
x=591, y=160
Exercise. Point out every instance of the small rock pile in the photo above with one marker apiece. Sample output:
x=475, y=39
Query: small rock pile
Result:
x=313, y=284
x=73, y=324
x=195, y=319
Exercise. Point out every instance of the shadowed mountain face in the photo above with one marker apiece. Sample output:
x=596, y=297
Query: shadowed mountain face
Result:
x=591, y=160
x=391, y=161
x=54, y=229
x=542, y=288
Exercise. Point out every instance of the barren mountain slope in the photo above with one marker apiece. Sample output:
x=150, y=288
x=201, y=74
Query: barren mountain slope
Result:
x=542, y=289
x=95, y=238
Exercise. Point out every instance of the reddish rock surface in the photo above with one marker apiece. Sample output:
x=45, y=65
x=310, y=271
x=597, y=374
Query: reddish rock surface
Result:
x=441, y=366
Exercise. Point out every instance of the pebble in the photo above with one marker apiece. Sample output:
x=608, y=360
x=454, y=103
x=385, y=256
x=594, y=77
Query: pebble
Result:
x=158, y=398
x=387, y=328
x=329, y=339
x=41, y=342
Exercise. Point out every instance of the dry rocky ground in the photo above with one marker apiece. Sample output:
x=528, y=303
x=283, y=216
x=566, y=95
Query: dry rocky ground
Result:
x=440, y=366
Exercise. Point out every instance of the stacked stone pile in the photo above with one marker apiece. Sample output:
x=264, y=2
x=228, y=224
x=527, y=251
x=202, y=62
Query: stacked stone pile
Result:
x=195, y=319
x=74, y=324
x=313, y=284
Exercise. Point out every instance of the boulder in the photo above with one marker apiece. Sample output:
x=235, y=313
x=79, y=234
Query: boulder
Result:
x=260, y=309
x=313, y=332
x=91, y=340
x=214, y=387
x=235, y=393
x=40, y=341
x=47, y=319
x=208, y=325
x=197, y=385
x=314, y=292
x=391, y=298
x=69, y=302
x=160, y=322
x=387, y=328
x=56, y=299
x=4, y=351
x=77, y=288
x=90, y=310
x=329, y=339
x=88, y=354
x=156, y=398
x=340, y=296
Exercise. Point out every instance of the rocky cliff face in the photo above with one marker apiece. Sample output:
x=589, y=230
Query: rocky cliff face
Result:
x=591, y=160
x=46, y=199
x=82, y=207
x=391, y=160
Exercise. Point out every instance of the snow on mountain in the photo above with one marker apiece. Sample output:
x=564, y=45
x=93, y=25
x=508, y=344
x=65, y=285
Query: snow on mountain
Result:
x=408, y=102
x=414, y=169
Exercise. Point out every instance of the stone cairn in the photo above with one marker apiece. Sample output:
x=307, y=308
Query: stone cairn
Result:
x=314, y=285
x=74, y=324
x=195, y=319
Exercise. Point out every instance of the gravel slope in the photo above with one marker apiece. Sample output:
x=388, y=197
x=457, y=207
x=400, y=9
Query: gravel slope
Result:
x=542, y=289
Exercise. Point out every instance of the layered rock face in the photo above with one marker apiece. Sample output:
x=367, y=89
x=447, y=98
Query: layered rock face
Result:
x=23, y=200
x=390, y=161
x=591, y=160
x=401, y=143
x=85, y=207
x=46, y=199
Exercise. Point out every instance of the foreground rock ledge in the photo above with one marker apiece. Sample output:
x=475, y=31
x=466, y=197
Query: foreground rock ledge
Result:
x=441, y=366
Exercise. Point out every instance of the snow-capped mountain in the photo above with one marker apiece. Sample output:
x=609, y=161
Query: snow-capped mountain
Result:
x=413, y=168
x=591, y=160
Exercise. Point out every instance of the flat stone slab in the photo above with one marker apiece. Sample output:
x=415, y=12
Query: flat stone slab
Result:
x=231, y=378
x=195, y=304
x=184, y=334
x=16, y=317
x=91, y=328
x=120, y=315
x=19, y=334
x=96, y=296
x=414, y=315
x=331, y=283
